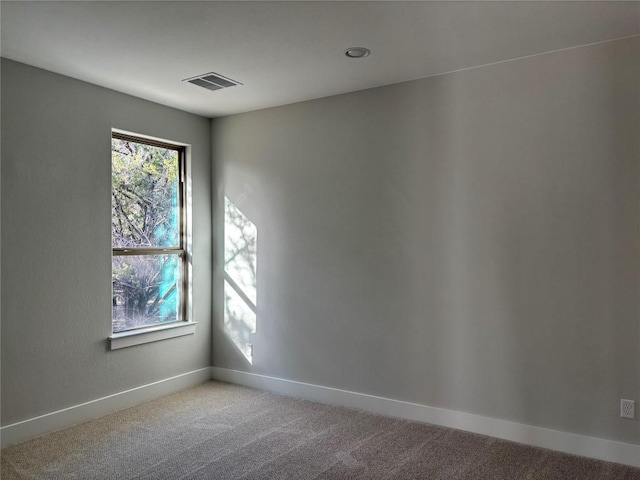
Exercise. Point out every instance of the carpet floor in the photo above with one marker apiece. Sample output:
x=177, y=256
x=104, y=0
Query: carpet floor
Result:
x=218, y=431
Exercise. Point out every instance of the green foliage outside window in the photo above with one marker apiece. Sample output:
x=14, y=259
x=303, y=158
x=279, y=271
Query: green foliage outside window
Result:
x=145, y=215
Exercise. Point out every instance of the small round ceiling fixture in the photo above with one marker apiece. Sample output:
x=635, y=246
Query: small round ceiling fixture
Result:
x=357, y=52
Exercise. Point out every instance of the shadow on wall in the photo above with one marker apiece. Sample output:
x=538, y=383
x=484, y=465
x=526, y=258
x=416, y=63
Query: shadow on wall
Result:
x=240, y=286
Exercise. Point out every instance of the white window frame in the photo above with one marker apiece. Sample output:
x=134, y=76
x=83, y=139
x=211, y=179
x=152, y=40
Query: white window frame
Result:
x=185, y=326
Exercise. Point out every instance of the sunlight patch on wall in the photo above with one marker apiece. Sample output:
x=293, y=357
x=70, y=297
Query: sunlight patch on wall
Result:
x=240, y=285
x=239, y=321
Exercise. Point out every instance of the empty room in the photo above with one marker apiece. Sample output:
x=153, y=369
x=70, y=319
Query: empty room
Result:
x=316, y=240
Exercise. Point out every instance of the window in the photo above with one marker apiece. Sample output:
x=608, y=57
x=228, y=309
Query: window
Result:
x=147, y=233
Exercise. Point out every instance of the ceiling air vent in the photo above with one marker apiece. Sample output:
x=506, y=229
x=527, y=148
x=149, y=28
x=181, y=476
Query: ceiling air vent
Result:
x=212, y=81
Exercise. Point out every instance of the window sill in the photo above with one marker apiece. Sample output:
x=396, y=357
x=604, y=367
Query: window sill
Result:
x=151, y=334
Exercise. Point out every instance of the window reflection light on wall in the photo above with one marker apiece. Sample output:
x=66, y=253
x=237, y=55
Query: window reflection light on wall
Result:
x=240, y=285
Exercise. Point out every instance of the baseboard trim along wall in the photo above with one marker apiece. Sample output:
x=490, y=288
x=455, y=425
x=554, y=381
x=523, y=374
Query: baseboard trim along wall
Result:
x=583, y=445
x=33, y=427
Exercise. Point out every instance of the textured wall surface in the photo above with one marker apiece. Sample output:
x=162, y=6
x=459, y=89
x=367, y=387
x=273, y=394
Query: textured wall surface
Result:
x=469, y=241
x=56, y=243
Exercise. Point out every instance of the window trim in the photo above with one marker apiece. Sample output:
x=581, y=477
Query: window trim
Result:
x=154, y=333
x=160, y=331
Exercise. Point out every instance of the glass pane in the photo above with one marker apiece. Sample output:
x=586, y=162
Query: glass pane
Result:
x=145, y=203
x=146, y=290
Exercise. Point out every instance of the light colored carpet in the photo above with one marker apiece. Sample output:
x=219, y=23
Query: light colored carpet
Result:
x=218, y=431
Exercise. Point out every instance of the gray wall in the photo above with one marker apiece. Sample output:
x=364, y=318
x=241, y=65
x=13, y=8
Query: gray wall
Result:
x=469, y=241
x=56, y=245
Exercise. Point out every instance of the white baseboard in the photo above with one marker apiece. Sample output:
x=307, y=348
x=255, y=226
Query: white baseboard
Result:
x=593, y=447
x=33, y=427
x=598, y=448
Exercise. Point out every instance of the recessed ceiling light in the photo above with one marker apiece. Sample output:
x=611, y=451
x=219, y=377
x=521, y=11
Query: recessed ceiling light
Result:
x=357, y=52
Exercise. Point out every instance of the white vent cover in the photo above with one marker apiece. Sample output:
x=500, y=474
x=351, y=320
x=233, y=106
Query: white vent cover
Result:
x=212, y=81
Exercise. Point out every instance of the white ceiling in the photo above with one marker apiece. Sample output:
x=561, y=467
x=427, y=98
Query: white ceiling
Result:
x=285, y=52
